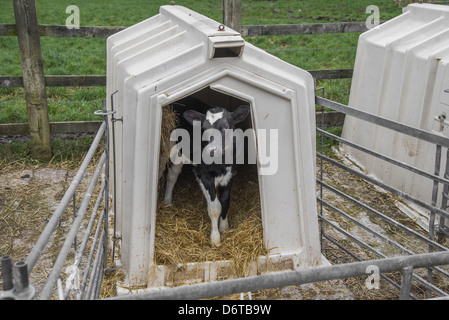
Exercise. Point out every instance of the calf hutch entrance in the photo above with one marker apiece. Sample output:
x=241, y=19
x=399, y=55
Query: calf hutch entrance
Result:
x=179, y=53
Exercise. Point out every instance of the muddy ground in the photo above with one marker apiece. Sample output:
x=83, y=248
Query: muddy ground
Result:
x=28, y=197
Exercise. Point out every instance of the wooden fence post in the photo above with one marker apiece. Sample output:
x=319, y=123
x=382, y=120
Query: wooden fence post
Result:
x=232, y=14
x=33, y=78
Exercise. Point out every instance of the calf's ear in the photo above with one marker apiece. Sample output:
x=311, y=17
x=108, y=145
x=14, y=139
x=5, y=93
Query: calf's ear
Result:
x=192, y=115
x=240, y=114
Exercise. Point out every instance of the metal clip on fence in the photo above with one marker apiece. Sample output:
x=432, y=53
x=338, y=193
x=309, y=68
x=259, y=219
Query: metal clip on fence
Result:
x=18, y=288
x=104, y=113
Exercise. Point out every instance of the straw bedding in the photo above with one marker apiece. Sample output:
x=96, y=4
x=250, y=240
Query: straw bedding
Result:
x=183, y=229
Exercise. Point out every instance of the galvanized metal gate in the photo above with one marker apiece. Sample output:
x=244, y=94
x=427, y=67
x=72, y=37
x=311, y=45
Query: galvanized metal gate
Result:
x=86, y=256
x=436, y=238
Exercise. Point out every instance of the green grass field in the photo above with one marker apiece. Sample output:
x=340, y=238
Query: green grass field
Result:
x=85, y=56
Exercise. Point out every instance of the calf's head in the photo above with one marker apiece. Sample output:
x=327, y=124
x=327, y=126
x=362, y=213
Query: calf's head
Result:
x=216, y=127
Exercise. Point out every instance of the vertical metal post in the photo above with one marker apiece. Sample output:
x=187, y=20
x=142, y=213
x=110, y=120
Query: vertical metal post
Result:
x=105, y=113
x=21, y=276
x=432, y=213
x=321, y=168
x=74, y=216
x=19, y=288
x=434, y=193
x=106, y=190
x=444, y=198
x=406, y=284
x=22, y=288
x=113, y=119
x=7, y=273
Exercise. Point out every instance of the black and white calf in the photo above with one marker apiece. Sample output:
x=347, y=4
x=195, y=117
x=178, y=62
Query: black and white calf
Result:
x=215, y=179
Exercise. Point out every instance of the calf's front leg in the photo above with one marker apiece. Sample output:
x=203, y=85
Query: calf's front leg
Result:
x=213, y=208
x=225, y=198
x=172, y=176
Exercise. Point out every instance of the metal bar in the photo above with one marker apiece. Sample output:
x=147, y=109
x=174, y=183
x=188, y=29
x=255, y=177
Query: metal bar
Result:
x=91, y=223
x=7, y=273
x=390, y=281
x=428, y=285
x=58, y=265
x=406, y=284
x=384, y=217
x=22, y=288
x=370, y=230
x=377, y=253
x=445, y=297
x=395, y=223
x=444, y=231
x=79, y=254
x=386, y=187
x=114, y=168
x=90, y=258
x=350, y=236
x=96, y=273
x=444, y=200
x=330, y=239
x=434, y=194
x=366, y=246
x=389, y=124
x=287, y=278
x=382, y=157
x=100, y=271
x=321, y=162
x=41, y=243
x=74, y=216
x=432, y=212
x=391, y=242
x=106, y=180
x=21, y=282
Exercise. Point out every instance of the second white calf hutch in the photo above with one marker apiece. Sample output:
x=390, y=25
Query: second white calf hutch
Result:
x=401, y=73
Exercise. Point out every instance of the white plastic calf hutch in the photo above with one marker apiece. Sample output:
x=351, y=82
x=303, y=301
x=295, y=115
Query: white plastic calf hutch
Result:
x=179, y=53
x=401, y=73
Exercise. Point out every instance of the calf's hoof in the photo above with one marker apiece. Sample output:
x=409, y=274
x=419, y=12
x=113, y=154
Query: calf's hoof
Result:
x=224, y=225
x=215, y=239
x=168, y=202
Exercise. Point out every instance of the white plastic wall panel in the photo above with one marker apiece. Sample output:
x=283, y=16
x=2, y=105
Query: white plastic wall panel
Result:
x=395, y=76
x=168, y=57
